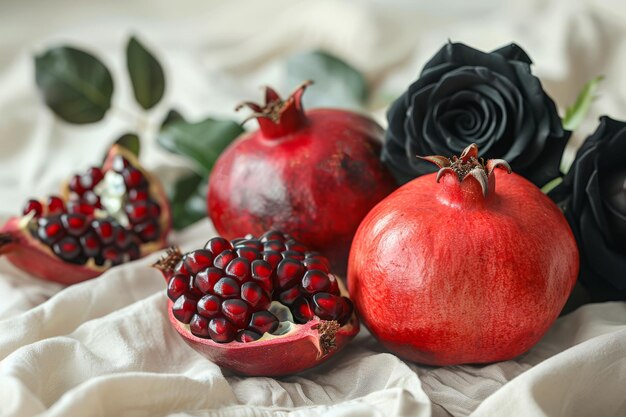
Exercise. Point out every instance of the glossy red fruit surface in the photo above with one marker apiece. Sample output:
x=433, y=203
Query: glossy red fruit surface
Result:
x=92, y=225
x=469, y=265
x=312, y=174
x=252, y=317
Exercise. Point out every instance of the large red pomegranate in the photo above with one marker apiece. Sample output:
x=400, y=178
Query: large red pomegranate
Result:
x=265, y=306
x=102, y=217
x=312, y=174
x=452, y=268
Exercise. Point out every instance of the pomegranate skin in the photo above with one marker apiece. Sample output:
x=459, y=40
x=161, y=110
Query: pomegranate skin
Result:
x=442, y=275
x=314, y=178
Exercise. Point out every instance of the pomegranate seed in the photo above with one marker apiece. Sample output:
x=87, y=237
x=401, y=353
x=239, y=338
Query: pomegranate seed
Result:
x=302, y=310
x=67, y=249
x=90, y=244
x=133, y=252
x=177, y=286
x=312, y=264
x=224, y=258
x=205, y=280
x=184, y=308
x=237, y=311
x=55, y=205
x=35, y=206
x=293, y=245
x=249, y=243
x=123, y=237
x=272, y=257
x=315, y=281
x=148, y=231
x=180, y=268
x=209, y=306
x=80, y=207
x=292, y=254
x=247, y=336
x=218, y=245
x=50, y=229
x=104, y=229
x=289, y=272
x=275, y=245
x=95, y=175
x=227, y=288
x=262, y=274
x=272, y=235
x=137, y=194
x=133, y=178
x=263, y=322
x=239, y=268
x=112, y=255
x=250, y=254
x=254, y=295
x=199, y=326
x=119, y=163
x=91, y=199
x=347, y=308
x=197, y=260
x=221, y=331
x=154, y=210
x=334, y=285
x=327, y=306
x=287, y=297
x=137, y=212
x=76, y=186
x=75, y=224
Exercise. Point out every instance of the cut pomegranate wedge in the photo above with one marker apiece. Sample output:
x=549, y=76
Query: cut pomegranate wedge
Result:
x=263, y=307
x=103, y=217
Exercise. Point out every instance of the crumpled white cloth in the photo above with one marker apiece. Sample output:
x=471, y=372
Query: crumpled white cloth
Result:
x=105, y=347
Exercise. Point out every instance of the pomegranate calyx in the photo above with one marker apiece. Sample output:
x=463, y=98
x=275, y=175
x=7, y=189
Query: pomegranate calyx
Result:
x=168, y=262
x=327, y=330
x=278, y=117
x=468, y=164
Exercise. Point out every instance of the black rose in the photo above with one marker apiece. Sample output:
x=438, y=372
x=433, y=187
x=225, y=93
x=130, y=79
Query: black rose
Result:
x=466, y=96
x=593, y=198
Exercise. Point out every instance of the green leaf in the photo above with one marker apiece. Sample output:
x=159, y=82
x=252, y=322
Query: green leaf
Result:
x=171, y=116
x=188, y=200
x=551, y=185
x=75, y=85
x=337, y=84
x=575, y=114
x=146, y=74
x=202, y=141
x=131, y=142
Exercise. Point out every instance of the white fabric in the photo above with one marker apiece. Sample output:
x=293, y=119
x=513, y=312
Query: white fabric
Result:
x=105, y=347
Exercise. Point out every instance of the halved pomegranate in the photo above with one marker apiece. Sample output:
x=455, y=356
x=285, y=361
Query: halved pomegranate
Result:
x=102, y=217
x=264, y=306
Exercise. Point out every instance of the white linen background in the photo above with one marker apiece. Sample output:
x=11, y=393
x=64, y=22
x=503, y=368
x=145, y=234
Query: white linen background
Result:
x=105, y=347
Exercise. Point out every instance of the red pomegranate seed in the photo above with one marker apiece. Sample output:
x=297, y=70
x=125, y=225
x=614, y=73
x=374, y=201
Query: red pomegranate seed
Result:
x=199, y=326
x=247, y=336
x=34, y=206
x=76, y=186
x=90, y=244
x=327, y=306
x=347, y=308
x=133, y=252
x=137, y=212
x=122, y=237
x=224, y=258
x=315, y=281
x=272, y=257
x=177, y=286
x=104, y=229
x=91, y=199
x=197, y=260
x=287, y=297
x=293, y=245
x=210, y=306
x=289, y=272
x=75, y=224
x=133, y=178
x=80, y=207
x=148, y=231
x=95, y=175
x=55, y=205
x=67, y=249
x=218, y=245
x=312, y=264
x=50, y=229
x=237, y=311
x=205, y=280
x=154, y=210
x=249, y=243
x=137, y=194
x=263, y=322
x=272, y=235
x=112, y=255
x=334, y=285
x=302, y=311
x=253, y=294
x=239, y=268
x=275, y=245
x=227, y=287
x=292, y=254
x=221, y=331
x=184, y=308
x=250, y=254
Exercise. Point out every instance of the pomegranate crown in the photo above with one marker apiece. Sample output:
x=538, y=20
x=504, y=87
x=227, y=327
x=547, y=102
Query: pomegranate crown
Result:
x=468, y=165
x=278, y=117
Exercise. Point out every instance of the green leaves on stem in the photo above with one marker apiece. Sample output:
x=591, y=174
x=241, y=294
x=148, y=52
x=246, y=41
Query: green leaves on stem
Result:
x=575, y=114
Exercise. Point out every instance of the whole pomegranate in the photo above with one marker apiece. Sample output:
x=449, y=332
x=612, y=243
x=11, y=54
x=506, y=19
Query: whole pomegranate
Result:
x=265, y=306
x=102, y=217
x=312, y=174
x=450, y=269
